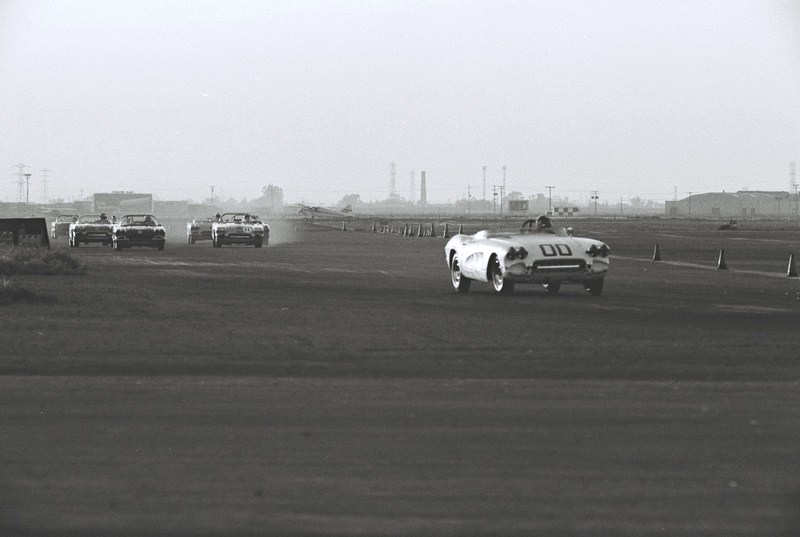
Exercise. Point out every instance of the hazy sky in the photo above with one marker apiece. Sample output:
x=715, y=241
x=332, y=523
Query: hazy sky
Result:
x=626, y=97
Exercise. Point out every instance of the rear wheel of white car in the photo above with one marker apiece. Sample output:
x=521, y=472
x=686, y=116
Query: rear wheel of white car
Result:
x=594, y=287
x=460, y=282
x=499, y=283
x=257, y=244
x=552, y=287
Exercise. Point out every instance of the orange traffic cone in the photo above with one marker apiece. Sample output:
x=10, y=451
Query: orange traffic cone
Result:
x=344, y=226
x=374, y=227
x=721, y=265
x=460, y=229
x=791, y=272
x=433, y=230
x=656, y=253
x=446, y=234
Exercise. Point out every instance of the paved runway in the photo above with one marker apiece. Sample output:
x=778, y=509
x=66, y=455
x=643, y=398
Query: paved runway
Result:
x=334, y=384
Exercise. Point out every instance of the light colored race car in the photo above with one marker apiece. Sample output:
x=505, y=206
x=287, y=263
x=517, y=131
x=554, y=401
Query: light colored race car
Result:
x=90, y=228
x=535, y=254
x=199, y=230
x=60, y=226
x=139, y=230
x=238, y=228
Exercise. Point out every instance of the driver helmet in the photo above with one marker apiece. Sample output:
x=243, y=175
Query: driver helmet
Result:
x=543, y=222
x=103, y=216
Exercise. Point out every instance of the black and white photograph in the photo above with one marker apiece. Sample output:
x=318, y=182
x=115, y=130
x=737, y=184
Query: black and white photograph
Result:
x=399, y=268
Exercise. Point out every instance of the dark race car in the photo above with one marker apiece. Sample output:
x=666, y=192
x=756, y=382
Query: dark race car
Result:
x=139, y=230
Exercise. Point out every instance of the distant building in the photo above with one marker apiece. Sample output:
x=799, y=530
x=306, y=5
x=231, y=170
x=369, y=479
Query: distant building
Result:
x=741, y=204
x=122, y=202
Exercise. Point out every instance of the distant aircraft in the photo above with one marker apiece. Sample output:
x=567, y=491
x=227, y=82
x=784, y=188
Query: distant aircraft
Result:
x=315, y=211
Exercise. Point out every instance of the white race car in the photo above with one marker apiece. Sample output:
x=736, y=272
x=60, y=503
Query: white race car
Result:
x=90, y=228
x=535, y=254
x=199, y=229
x=238, y=228
x=60, y=226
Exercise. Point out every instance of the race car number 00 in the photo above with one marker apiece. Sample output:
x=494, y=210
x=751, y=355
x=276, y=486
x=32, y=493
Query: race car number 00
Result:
x=550, y=250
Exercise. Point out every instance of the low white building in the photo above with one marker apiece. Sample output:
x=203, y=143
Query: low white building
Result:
x=742, y=204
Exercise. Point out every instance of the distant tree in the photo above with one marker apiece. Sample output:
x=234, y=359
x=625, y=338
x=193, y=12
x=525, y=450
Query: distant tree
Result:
x=514, y=196
x=349, y=199
x=272, y=197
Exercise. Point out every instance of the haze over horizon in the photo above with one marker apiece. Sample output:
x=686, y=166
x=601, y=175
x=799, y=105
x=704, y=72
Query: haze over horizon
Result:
x=626, y=97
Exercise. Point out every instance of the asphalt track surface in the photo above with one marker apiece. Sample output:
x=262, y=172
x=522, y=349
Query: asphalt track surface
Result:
x=333, y=383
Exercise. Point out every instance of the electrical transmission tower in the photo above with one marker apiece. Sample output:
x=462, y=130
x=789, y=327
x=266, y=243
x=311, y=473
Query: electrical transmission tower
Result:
x=20, y=181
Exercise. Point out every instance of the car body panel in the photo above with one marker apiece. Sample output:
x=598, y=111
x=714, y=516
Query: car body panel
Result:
x=139, y=230
x=549, y=257
x=239, y=228
x=90, y=228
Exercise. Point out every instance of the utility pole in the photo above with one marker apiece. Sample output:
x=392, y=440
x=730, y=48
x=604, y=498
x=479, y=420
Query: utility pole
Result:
x=212, y=195
x=44, y=185
x=503, y=191
x=690, y=204
x=595, y=197
x=620, y=206
x=484, y=185
x=28, y=188
x=793, y=187
x=469, y=199
x=494, y=199
x=549, y=211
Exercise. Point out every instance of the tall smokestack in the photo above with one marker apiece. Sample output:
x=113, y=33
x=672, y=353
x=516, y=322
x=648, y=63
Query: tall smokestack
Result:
x=423, y=189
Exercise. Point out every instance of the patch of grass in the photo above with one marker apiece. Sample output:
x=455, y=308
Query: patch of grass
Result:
x=39, y=261
x=11, y=291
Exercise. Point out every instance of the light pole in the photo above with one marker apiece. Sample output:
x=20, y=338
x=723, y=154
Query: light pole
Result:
x=595, y=197
x=550, y=200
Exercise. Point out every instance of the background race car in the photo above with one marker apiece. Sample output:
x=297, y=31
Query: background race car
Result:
x=90, y=228
x=60, y=226
x=199, y=230
x=238, y=228
x=139, y=230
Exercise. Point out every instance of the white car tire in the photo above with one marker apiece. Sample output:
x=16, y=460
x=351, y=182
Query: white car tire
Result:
x=460, y=282
x=499, y=283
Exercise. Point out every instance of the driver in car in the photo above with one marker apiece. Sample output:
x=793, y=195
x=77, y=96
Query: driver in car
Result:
x=544, y=225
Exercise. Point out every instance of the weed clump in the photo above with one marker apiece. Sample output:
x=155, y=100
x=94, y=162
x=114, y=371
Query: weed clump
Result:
x=11, y=291
x=39, y=261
